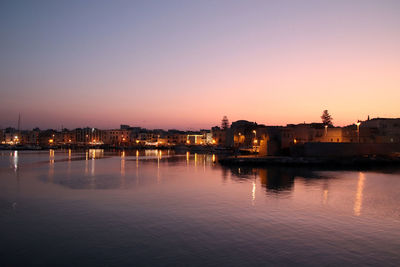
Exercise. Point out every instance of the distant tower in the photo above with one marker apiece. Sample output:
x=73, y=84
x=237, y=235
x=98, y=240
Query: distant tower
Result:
x=368, y=117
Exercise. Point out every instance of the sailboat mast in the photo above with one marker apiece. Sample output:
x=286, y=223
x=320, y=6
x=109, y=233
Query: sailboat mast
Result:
x=19, y=121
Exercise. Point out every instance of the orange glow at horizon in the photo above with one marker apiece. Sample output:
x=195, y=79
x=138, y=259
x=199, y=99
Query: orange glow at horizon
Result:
x=274, y=64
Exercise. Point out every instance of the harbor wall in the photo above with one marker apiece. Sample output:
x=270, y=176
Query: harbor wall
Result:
x=343, y=149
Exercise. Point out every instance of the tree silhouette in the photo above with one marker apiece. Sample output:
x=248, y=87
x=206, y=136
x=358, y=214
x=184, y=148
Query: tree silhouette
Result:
x=225, y=123
x=326, y=118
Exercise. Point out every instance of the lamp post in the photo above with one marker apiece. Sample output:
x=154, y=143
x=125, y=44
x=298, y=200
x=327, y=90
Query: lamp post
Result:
x=358, y=131
x=255, y=141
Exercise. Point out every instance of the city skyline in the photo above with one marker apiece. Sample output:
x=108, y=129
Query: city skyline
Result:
x=19, y=125
x=185, y=65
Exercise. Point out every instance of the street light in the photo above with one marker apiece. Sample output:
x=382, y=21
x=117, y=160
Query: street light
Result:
x=358, y=131
x=255, y=140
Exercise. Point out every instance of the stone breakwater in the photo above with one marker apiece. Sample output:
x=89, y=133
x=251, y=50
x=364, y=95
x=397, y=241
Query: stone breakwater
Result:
x=312, y=161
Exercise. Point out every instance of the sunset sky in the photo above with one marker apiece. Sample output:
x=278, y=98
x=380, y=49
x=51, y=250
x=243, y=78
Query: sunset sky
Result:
x=186, y=64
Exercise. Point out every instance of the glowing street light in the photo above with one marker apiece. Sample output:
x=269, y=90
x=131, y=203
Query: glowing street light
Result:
x=358, y=130
x=255, y=137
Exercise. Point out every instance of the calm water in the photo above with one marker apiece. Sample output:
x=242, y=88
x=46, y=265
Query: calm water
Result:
x=146, y=208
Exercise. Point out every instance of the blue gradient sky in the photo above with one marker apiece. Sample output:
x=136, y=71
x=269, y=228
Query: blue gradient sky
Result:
x=185, y=64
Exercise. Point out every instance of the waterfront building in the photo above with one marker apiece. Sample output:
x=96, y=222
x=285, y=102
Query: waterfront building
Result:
x=10, y=136
x=175, y=137
x=30, y=137
x=380, y=130
x=117, y=137
x=207, y=137
x=218, y=136
x=240, y=134
x=49, y=138
x=69, y=137
x=89, y=136
x=195, y=138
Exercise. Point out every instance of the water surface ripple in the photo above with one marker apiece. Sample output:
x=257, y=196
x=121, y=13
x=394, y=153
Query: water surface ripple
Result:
x=154, y=208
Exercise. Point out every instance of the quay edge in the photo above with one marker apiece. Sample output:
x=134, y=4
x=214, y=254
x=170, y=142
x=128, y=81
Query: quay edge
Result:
x=362, y=161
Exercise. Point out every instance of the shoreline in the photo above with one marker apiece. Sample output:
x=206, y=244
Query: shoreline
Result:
x=179, y=149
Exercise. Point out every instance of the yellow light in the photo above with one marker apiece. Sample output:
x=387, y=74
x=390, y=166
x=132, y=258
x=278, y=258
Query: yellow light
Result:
x=70, y=140
x=254, y=131
x=358, y=123
x=51, y=141
x=137, y=141
x=255, y=141
x=188, y=142
x=213, y=141
x=295, y=141
x=123, y=139
x=359, y=194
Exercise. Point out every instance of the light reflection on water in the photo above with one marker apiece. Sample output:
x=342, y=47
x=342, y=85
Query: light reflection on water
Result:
x=359, y=195
x=188, y=210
